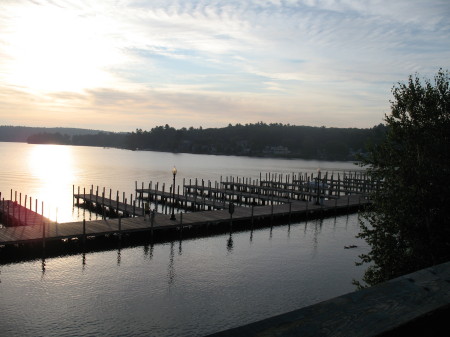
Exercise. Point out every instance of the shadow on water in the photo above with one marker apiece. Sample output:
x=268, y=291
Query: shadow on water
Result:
x=230, y=243
x=171, y=268
x=110, y=242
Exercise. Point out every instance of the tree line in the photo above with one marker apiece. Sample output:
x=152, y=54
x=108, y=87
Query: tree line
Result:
x=259, y=139
x=408, y=224
x=103, y=139
x=10, y=133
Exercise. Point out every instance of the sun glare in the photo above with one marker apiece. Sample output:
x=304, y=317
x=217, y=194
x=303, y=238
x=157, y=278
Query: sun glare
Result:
x=52, y=165
x=55, y=50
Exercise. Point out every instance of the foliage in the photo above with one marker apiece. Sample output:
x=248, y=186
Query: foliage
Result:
x=49, y=138
x=260, y=139
x=21, y=133
x=106, y=139
x=408, y=227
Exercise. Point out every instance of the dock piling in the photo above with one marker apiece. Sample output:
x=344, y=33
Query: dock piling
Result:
x=84, y=231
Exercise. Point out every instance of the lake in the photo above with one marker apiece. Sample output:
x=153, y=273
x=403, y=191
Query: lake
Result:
x=188, y=287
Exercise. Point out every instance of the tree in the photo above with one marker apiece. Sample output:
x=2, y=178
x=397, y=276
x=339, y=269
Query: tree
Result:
x=407, y=226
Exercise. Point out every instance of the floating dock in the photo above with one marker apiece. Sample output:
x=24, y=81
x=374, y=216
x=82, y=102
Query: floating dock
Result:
x=222, y=203
x=14, y=214
x=159, y=222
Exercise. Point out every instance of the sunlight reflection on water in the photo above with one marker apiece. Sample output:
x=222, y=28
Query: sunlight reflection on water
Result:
x=182, y=288
x=52, y=168
x=51, y=171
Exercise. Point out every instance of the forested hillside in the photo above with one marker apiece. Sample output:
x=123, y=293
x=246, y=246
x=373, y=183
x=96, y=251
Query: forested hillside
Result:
x=273, y=140
x=260, y=139
x=21, y=133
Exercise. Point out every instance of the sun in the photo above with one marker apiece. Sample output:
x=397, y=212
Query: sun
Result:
x=54, y=49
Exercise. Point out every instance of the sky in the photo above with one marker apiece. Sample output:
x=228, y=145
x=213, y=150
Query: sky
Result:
x=118, y=65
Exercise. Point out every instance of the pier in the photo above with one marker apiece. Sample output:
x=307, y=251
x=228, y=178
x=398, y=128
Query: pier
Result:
x=230, y=201
x=13, y=213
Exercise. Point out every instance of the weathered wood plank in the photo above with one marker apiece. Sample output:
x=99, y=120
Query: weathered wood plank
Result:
x=369, y=312
x=54, y=231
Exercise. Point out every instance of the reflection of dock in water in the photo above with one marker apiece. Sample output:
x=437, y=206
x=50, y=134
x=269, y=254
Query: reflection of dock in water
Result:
x=253, y=203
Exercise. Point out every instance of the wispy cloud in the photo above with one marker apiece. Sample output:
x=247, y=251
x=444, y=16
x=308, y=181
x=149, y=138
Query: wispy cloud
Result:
x=129, y=64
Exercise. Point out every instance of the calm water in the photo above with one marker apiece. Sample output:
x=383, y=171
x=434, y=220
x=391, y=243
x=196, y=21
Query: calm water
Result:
x=184, y=288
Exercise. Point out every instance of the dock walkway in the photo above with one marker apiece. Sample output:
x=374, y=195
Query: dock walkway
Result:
x=83, y=229
x=14, y=214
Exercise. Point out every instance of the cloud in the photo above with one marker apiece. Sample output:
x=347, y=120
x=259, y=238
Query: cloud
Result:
x=209, y=63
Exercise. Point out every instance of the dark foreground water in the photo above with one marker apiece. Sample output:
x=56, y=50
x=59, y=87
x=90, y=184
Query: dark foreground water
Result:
x=182, y=288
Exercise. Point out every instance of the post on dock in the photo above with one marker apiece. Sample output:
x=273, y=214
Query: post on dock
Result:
x=43, y=233
x=152, y=220
x=7, y=213
x=120, y=224
x=253, y=210
x=84, y=231
x=318, y=187
x=20, y=204
x=149, y=191
x=73, y=195
x=338, y=193
x=231, y=211
x=103, y=206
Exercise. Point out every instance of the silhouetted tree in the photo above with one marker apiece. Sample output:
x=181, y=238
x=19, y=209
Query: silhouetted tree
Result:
x=408, y=225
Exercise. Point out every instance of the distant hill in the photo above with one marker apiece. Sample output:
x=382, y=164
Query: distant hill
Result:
x=21, y=133
x=260, y=140
x=253, y=140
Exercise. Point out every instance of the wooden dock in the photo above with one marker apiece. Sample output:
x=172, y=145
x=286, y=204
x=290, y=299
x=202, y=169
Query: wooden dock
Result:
x=206, y=203
x=244, y=191
x=14, y=214
x=160, y=222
